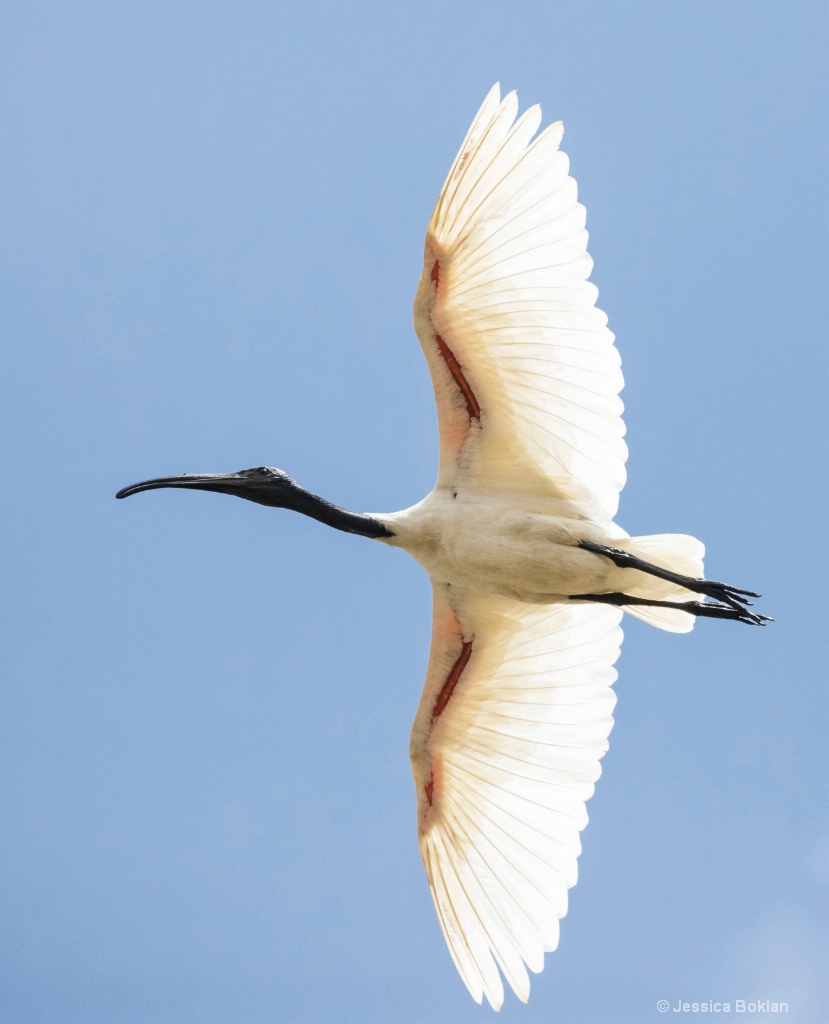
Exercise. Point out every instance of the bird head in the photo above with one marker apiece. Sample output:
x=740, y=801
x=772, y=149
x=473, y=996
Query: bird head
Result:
x=262, y=484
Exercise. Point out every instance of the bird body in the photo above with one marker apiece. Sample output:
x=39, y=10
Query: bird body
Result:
x=530, y=574
x=501, y=546
x=485, y=543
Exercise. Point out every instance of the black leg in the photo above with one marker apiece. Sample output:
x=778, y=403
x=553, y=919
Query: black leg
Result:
x=699, y=608
x=732, y=596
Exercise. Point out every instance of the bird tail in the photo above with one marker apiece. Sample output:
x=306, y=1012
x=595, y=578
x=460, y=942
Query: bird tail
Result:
x=675, y=551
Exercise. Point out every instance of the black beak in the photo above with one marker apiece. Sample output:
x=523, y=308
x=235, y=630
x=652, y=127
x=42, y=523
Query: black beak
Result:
x=223, y=483
x=262, y=484
x=267, y=485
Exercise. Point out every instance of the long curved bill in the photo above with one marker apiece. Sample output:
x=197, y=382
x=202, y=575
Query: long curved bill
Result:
x=223, y=483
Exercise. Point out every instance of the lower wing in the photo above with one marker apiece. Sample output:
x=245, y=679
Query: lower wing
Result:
x=505, y=749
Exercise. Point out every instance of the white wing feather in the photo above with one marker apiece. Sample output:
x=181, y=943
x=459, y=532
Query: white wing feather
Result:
x=503, y=766
x=517, y=705
x=504, y=289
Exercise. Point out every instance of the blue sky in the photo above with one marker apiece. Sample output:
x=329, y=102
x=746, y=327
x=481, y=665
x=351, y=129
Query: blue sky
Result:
x=212, y=222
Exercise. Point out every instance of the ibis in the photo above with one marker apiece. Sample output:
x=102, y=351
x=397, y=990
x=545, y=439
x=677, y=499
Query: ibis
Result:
x=530, y=575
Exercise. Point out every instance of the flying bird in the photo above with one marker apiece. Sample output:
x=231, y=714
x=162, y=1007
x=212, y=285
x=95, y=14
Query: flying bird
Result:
x=530, y=575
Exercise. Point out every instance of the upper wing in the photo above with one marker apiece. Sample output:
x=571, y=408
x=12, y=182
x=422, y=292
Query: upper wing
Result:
x=525, y=372
x=505, y=749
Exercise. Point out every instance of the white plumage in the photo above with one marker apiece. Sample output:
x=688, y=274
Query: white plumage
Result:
x=516, y=753
x=502, y=773
x=514, y=306
x=529, y=573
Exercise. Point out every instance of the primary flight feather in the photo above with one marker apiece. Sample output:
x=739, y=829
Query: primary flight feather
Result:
x=530, y=576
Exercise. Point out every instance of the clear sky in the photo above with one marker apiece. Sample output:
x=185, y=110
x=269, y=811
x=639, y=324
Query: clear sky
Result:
x=212, y=222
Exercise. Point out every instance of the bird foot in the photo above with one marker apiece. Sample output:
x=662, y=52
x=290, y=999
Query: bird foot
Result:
x=703, y=609
x=724, y=593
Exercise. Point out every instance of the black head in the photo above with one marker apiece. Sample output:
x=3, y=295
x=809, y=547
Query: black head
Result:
x=263, y=484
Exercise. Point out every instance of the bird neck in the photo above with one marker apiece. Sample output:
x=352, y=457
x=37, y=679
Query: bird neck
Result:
x=323, y=511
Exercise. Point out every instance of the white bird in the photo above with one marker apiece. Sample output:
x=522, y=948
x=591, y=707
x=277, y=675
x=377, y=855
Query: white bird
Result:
x=530, y=575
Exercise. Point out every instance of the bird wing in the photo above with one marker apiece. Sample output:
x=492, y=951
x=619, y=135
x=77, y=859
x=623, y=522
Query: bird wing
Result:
x=525, y=372
x=505, y=748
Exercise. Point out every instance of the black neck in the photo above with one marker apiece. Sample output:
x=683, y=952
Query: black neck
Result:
x=268, y=486
x=332, y=515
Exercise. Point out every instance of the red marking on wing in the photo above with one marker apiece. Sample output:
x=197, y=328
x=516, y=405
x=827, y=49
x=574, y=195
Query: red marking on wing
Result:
x=426, y=760
x=448, y=687
x=435, y=275
x=433, y=786
x=472, y=406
